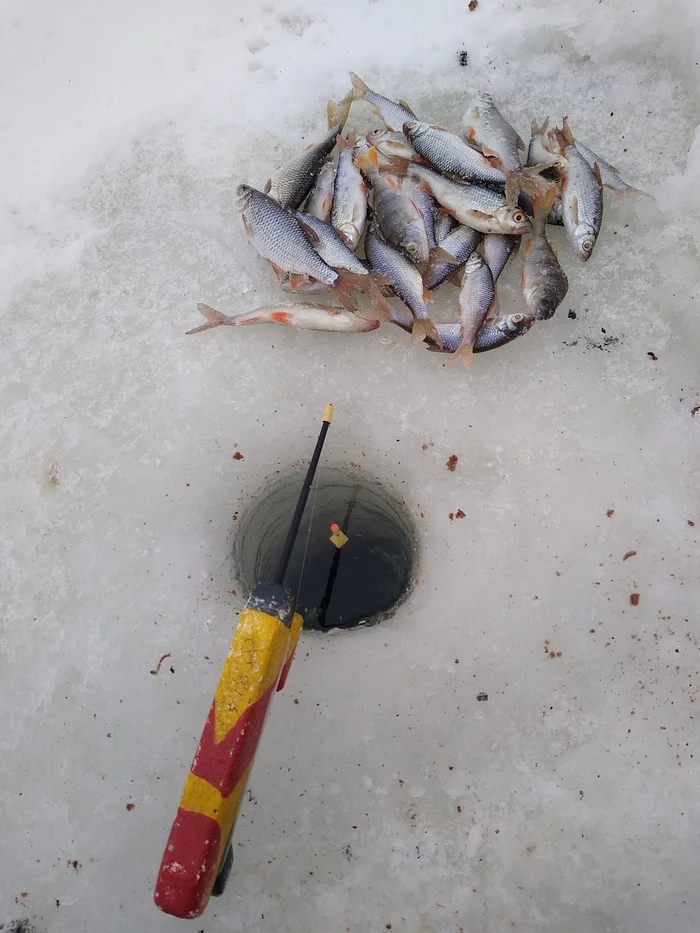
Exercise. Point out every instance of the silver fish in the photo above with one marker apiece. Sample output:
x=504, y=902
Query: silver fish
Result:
x=320, y=200
x=485, y=126
x=277, y=236
x=476, y=297
x=582, y=196
x=405, y=280
x=303, y=315
x=397, y=215
x=460, y=244
x=497, y=251
x=445, y=151
x=349, y=212
x=609, y=175
x=393, y=114
x=492, y=334
x=291, y=183
x=444, y=224
x=543, y=280
x=329, y=244
x=472, y=205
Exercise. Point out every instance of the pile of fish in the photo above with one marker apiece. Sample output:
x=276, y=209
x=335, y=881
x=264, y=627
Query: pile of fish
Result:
x=413, y=205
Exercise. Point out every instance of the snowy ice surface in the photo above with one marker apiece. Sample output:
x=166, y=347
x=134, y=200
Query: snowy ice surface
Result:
x=566, y=802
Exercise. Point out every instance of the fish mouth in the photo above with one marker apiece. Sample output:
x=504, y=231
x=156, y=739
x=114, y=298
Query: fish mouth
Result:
x=243, y=195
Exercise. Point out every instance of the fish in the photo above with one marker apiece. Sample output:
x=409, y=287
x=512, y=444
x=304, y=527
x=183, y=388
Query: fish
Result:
x=609, y=175
x=582, y=196
x=406, y=282
x=320, y=201
x=426, y=205
x=330, y=245
x=476, y=297
x=460, y=244
x=543, y=282
x=397, y=215
x=483, y=125
x=393, y=145
x=392, y=113
x=472, y=205
x=445, y=151
x=444, y=224
x=349, y=212
x=493, y=333
x=302, y=315
x=278, y=236
x=292, y=182
x=497, y=249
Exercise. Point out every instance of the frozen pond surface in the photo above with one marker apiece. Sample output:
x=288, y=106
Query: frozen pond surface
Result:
x=568, y=800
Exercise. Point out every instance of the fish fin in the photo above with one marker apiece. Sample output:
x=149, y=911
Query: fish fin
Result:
x=512, y=189
x=214, y=319
x=395, y=166
x=555, y=144
x=356, y=212
x=407, y=107
x=268, y=185
x=443, y=255
x=618, y=197
x=566, y=132
x=348, y=284
x=596, y=172
x=464, y=353
x=311, y=234
x=574, y=209
x=542, y=204
x=280, y=273
x=297, y=281
x=368, y=161
x=348, y=143
x=337, y=112
x=423, y=328
x=520, y=144
x=536, y=130
x=426, y=295
x=359, y=87
x=283, y=317
x=246, y=226
x=471, y=134
x=490, y=153
x=455, y=278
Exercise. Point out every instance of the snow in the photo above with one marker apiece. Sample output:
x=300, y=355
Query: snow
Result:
x=388, y=794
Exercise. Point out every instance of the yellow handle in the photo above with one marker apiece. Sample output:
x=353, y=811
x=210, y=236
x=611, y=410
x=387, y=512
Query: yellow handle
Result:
x=328, y=413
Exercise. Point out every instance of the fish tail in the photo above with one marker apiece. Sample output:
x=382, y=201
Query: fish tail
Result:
x=536, y=130
x=214, y=319
x=359, y=88
x=348, y=143
x=424, y=327
x=465, y=353
x=373, y=285
x=619, y=197
x=542, y=203
x=337, y=111
x=346, y=287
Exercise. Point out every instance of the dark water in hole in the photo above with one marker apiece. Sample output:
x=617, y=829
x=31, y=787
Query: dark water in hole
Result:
x=339, y=588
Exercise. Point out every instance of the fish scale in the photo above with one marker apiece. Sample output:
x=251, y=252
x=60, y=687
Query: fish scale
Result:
x=445, y=151
x=460, y=243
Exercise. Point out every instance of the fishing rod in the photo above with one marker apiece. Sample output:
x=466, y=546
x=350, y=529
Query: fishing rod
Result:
x=198, y=855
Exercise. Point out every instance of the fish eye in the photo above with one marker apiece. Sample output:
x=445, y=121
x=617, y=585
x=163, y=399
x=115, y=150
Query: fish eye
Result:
x=411, y=247
x=587, y=244
x=518, y=318
x=410, y=125
x=519, y=217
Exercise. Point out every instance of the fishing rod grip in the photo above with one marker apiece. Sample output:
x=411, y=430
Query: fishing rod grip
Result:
x=257, y=663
